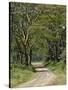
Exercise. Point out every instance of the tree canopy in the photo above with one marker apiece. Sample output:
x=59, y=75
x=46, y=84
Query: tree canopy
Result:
x=37, y=31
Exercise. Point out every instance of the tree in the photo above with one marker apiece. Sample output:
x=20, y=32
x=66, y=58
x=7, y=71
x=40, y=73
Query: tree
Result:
x=21, y=22
x=37, y=30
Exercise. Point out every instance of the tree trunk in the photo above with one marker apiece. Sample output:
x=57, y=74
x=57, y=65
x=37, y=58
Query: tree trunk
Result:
x=26, y=57
x=21, y=58
x=57, y=51
x=30, y=57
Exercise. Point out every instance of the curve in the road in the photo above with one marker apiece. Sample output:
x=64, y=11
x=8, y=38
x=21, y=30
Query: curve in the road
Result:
x=43, y=77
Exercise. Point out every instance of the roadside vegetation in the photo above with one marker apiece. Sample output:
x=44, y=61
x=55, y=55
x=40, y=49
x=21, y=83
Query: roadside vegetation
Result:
x=37, y=34
x=20, y=74
x=59, y=69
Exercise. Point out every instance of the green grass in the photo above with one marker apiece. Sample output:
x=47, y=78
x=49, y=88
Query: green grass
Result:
x=59, y=68
x=20, y=74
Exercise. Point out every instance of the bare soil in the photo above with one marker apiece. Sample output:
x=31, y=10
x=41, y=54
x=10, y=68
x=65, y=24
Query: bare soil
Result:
x=43, y=77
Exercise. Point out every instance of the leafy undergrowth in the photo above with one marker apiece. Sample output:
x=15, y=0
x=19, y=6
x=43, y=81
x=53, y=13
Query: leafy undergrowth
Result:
x=20, y=74
x=59, y=68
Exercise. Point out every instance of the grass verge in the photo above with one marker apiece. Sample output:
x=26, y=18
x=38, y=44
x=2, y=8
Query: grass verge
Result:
x=20, y=74
x=59, y=68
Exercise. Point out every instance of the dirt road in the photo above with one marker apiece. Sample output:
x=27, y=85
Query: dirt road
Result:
x=43, y=77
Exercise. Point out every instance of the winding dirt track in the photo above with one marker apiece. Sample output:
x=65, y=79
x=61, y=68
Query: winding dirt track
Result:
x=43, y=77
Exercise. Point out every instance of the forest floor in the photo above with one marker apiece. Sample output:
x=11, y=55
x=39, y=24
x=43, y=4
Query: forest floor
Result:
x=43, y=77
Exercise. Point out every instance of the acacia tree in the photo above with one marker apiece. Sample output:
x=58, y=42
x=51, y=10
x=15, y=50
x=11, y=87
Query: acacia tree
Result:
x=22, y=19
x=38, y=29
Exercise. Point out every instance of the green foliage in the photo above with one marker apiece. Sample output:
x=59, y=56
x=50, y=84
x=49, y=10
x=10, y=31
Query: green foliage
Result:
x=39, y=27
x=36, y=31
x=59, y=68
x=20, y=74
